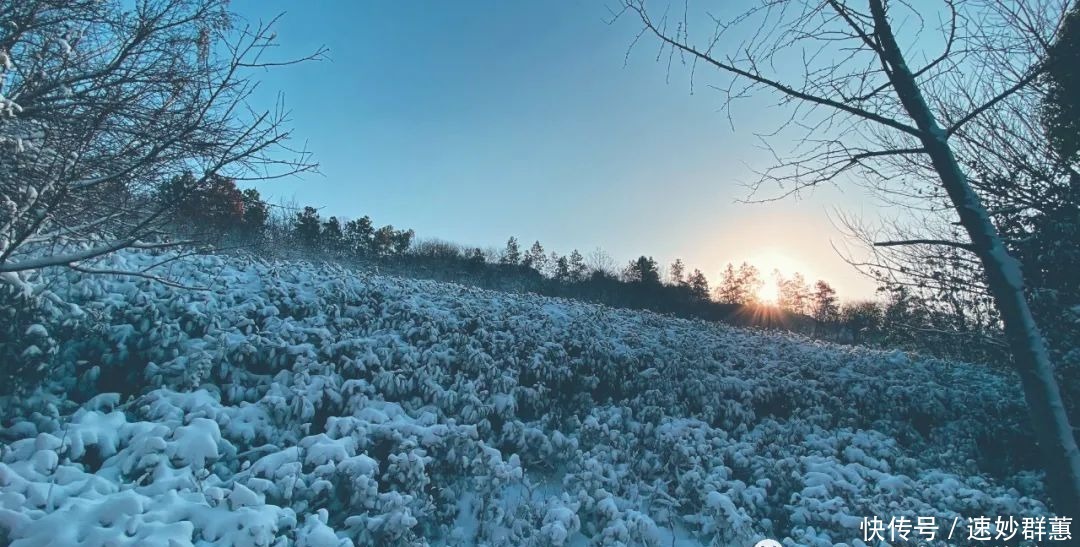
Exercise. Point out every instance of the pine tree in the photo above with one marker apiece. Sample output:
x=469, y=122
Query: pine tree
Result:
x=213, y=205
x=331, y=237
x=552, y=264
x=383, y=242
x=729, y=291
x=642, y=270
x=256, y=213
x=677, y=271
x=578, y=270
x=739, y=286
x=825, y=307
x=476, y=256
x=359, y=235
x=535, y=258
x=561, y=271
x=1061, y=107
x=699, y=285
x=402, y=240
x=751, y=282
x=793, y=293
x=306, y=227
x=511, y=256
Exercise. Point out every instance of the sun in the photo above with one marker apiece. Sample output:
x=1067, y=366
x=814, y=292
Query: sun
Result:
x=770, y=261
x=767, y=293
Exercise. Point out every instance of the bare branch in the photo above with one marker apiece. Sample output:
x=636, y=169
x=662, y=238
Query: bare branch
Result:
x=103, y=123
x=945, y=242
x=753, y=75
x=141, y=275
x=1022, y=83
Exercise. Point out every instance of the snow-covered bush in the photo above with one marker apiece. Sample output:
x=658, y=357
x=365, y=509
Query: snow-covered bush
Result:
x=32, y=321
x=301, y=404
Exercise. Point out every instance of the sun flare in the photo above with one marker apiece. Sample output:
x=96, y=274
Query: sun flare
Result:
x=768, y=293
x=769, y=263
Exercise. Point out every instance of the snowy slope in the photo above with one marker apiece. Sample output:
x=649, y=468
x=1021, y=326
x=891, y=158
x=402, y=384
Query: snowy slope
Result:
x=300, y=404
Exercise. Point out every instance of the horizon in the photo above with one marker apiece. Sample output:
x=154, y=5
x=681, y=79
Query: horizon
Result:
x=467, y=136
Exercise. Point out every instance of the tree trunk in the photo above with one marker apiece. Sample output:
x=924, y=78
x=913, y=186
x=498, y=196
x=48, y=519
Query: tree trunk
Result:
x=1061, y=457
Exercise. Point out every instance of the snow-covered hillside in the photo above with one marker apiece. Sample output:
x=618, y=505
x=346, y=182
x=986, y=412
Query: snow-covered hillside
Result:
x=300, y=404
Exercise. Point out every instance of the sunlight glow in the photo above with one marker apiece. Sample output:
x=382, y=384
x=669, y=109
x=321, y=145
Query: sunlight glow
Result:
x=769, y=261
x=768, y=293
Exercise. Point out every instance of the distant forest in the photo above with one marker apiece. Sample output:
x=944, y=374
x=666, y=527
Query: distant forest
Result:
x=216, y=210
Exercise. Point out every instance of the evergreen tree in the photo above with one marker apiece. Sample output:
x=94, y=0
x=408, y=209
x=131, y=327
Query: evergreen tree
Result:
x=476, y=256
x=383, y=242
x=578, y=270
x=306, y=227
x=730, y=291
x=331, y=237
x=699, y=285
x=793, y=293
x=535, y=258
x=643, y=270
x=739, y=286
x=677, y=272
x=256, y=213
x=1061, y=106
x=213, y=204
x=562, y=270
x=511, y=256
x=751, y=282
x=552, y=264
x=402, y=240
x=825, y=307
x=359, y=235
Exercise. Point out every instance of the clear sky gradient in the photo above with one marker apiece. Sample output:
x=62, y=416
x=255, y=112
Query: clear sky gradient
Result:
x=474, y=121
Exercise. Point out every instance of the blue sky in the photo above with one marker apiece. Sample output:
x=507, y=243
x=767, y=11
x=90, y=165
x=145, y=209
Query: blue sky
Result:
x=474, y=121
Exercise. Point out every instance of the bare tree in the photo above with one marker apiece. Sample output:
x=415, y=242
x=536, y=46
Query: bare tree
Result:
x=867, y=100
x=600, y=261
x=947, y=281
x=103, y=102
x=1031, y=191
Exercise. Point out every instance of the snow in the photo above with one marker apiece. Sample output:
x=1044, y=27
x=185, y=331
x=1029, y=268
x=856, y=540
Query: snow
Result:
x=299, y=404
x=195, y=444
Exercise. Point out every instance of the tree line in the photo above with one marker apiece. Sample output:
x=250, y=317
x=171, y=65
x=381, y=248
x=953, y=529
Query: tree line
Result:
x=215, y=209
